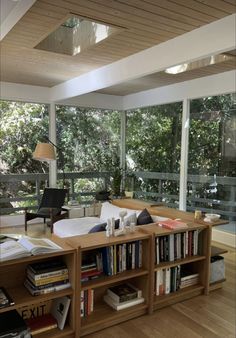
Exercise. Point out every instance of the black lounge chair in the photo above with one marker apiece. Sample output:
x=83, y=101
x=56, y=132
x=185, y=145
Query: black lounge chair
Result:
x=50, y=207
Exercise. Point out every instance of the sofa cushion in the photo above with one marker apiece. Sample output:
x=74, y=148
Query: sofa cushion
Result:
x=144, y=218
x=109, y=210
x=102, y=226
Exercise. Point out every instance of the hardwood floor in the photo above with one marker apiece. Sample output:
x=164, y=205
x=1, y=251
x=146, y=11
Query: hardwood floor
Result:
x=203, y=316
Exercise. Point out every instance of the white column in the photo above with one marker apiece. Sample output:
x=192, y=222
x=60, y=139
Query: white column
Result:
x=123, y=147
x=52, y=137
x=184, y=155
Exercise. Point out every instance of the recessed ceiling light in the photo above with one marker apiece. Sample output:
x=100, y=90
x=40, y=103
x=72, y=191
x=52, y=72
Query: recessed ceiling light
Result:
x=211, y=60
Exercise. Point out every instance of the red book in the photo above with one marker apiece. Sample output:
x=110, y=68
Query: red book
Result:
x=173, y=224
x=41, y=324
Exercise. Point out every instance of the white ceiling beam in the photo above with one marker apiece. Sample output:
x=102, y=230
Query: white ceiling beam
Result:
x=25, y=93
x=218, y=84
x=13, y=14
x=214, y=38
x=96, y=100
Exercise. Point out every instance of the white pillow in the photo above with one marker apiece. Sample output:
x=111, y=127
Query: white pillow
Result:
x=109, y=210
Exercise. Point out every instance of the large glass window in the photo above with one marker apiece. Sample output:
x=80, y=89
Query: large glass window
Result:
x=90, y=141
x=153, y=144
x=212, y=155
x=22, y=126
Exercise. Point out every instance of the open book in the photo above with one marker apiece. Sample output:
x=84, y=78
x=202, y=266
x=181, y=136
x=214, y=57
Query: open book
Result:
x=172, y=224
x=26, y=246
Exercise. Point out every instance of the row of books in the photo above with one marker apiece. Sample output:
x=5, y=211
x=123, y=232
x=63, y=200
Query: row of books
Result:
x=172, y=279
x=87, y=302
x=176, y=246
x=13, y=325
x=45, y=277
x=112, y=260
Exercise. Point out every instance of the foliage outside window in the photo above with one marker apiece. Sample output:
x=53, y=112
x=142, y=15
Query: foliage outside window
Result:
x=212, y=152
x=90, y=141
x=153, y=144
x=22, y=125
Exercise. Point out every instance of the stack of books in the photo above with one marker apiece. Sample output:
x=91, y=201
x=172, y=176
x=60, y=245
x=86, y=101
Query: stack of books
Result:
x=123, y=296
x=47, y=276
x=189, y=280
x=92, y=266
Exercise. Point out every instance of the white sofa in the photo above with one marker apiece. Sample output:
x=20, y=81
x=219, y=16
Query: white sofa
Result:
x=82, y=226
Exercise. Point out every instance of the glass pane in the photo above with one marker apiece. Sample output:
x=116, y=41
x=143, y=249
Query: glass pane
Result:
x=153, y=152
x=212, y=156
x=22, y=126
x=90, y=141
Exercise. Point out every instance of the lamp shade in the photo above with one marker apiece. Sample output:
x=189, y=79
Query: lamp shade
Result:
x=44, y=152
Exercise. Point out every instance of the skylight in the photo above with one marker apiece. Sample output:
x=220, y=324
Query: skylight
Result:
x=75, y=35
x=211, y=60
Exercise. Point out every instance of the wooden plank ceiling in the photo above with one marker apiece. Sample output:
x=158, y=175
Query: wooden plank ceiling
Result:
x=146, y=23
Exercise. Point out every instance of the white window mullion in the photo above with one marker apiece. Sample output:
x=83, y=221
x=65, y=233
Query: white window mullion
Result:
x=52, y=137
x=184, y=155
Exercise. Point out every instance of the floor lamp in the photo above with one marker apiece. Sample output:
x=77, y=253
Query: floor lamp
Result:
x=46, y=152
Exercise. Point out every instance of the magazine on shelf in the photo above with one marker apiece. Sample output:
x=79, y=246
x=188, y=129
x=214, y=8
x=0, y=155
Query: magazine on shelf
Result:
x=173, y=224
x=26, y=246
x=59, y=310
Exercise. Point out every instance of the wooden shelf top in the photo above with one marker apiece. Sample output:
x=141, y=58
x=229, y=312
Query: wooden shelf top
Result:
x=99, y=239
x=215, y=251
x=22, y=297
x=107, y=280
x=191, y=259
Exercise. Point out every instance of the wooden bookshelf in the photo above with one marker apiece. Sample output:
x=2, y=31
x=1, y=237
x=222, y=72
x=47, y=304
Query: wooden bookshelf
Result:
x=103, y=315
x=12, y=279
x=198, y=263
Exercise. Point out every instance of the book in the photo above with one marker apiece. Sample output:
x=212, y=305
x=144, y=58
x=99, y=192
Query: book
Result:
x=45, y=267
x=59, y=310
x=120, y=306
x=26, y=246
x=41, y=324
x=45, y=286
x=48, y=280
x=5, y=299
x=47, y=275
x=172, y=224
x=12, y=325
x=53, y=288
x=124, y=292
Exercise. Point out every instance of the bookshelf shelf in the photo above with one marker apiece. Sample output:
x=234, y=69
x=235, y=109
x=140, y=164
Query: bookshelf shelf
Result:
x=180, y=295
x=13, y=275
x=183, y=261
x=108, y=280
x=90, y=324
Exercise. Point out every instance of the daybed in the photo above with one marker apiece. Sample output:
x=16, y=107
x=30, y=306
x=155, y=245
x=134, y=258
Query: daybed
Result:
x=85, y=225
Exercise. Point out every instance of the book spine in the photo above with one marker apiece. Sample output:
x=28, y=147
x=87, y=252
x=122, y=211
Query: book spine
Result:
x=47, y=290
x=48, y=280
x=48, y=274
x=82, y=304
x=41, y=287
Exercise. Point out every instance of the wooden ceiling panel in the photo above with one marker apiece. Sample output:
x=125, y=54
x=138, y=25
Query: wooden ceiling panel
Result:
x=144, y=23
